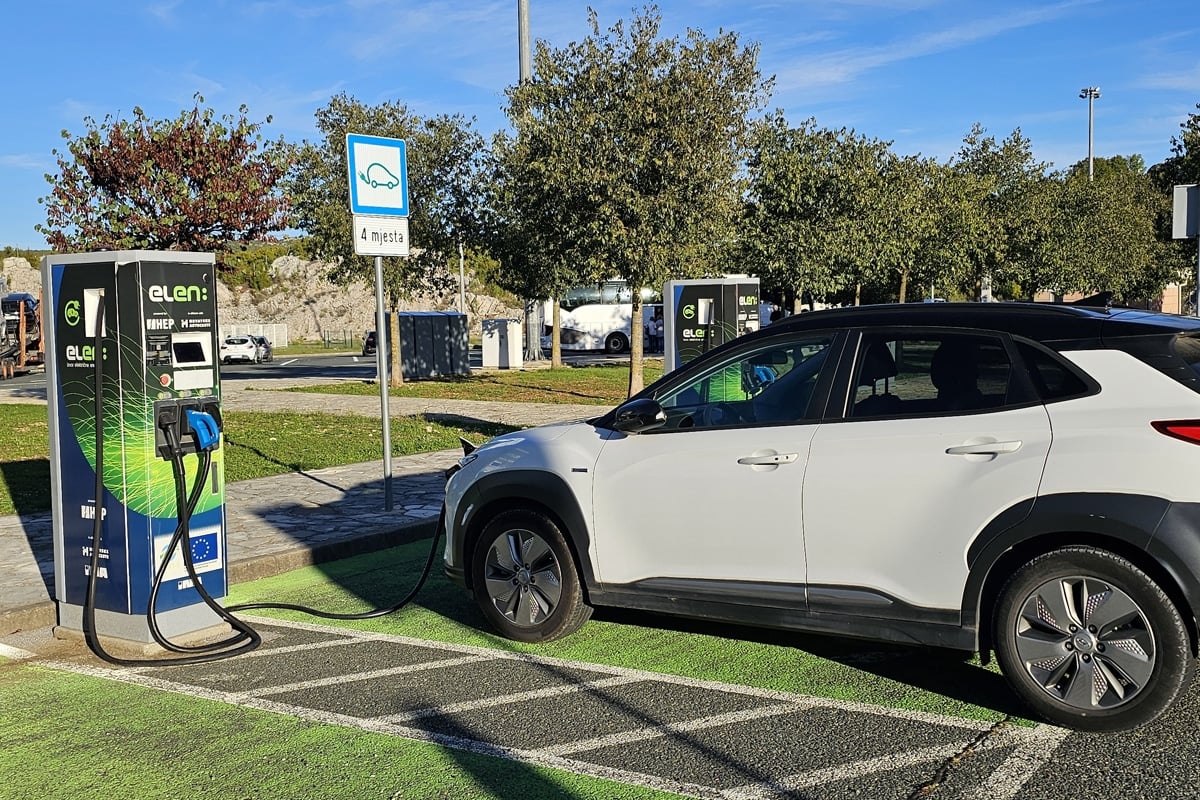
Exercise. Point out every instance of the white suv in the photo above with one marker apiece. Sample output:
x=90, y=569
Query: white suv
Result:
x=997, y=477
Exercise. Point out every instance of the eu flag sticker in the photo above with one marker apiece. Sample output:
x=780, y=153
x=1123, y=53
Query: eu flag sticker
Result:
x=205, y=546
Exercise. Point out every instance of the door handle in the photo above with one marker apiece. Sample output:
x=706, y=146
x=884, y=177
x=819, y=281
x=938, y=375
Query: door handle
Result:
x=984, y=449
x=771, y=460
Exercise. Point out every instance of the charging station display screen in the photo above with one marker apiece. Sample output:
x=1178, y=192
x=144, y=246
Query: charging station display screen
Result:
x=188, y=353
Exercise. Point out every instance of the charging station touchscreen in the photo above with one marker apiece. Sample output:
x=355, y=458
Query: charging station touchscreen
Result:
x=157, y=362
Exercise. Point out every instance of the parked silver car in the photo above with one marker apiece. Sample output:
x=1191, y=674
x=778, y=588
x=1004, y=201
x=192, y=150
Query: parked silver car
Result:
x=263, y=345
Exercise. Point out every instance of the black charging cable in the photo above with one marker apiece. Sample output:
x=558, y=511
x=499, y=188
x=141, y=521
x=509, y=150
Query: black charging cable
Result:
x=373, y=613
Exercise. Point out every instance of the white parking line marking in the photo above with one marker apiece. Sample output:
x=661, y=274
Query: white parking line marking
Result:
x=928, y=717
x=1036, y=748
x=672, y=728
x=352, y=677
x=806, y=780
x=505, y=699
x=289, y=362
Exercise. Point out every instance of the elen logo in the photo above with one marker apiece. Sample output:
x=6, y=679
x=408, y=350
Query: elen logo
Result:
x=177, y=294
x=84, y=352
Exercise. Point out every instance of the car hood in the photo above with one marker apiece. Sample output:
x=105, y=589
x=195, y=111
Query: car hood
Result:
x=545, y=447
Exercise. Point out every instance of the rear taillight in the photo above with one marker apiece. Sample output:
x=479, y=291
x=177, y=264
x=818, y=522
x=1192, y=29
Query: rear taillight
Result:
x=1186, y=429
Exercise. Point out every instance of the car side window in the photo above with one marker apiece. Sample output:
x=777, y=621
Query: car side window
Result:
x=771, y=383
x=899, y=375
x=1052, y=379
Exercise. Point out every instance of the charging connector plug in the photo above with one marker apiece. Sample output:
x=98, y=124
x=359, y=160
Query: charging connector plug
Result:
x=203, y=428
x=166, y=420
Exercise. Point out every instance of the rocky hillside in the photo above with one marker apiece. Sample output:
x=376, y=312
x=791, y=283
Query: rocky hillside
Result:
x=300, y=296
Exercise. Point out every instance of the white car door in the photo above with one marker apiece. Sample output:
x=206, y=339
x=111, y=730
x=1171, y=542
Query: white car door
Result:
x=715, y=495
x=933, y=448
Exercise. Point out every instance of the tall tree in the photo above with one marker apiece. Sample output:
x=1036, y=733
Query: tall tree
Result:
x=1005, y=175
x=1108, y=229
x=640, y=140
x=813, y=217
x=195, y=182
x=910, y=217
x=444, y=168
x=526, y=223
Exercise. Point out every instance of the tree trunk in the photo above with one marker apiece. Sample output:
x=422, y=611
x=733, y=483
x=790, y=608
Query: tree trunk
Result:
x=637, y=328
x=556, y=336
x=903, y=285
x=858, y=294
x=396, y=378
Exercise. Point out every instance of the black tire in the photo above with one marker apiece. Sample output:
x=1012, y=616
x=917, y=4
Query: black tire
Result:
x=616, y=343
x=525, y=580
x=1091, y=642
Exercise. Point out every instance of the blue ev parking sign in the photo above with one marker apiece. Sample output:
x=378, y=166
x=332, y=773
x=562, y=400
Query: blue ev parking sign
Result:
x=378, y=175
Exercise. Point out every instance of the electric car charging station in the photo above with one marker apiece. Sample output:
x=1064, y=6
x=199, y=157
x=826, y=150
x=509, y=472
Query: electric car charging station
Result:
x=703, y=314
x=131, y=357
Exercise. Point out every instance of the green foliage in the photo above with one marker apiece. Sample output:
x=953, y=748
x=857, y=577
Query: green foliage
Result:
x=812, y=215
x=250, y=265
x=191, y=183
x=444, y=156
x=627, y=156
x=604, y=386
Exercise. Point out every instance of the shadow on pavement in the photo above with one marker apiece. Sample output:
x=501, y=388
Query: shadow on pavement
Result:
x=28, y=483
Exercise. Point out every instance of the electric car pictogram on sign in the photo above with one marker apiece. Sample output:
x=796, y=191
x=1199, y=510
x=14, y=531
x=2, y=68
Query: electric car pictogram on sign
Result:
x=377, y=175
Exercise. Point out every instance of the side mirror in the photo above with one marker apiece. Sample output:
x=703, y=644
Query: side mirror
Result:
x=639, y=415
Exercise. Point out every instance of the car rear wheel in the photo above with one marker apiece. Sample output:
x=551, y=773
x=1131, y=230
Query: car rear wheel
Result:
x=525, y=579
x=1090, y=641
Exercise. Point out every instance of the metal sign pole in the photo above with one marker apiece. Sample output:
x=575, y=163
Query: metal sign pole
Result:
x=377, y=172
x=381, y=369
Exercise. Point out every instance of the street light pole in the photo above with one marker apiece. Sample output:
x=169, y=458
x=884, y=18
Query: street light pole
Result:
x=533, y=316
x=1091, y=93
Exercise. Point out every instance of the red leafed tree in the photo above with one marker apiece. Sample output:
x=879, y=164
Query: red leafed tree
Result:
x=194, y=183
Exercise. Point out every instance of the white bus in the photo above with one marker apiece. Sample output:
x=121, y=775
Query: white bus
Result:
x=597, y=317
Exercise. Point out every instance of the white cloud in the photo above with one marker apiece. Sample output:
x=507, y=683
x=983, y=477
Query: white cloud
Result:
x=25, y=161
x=828, y=69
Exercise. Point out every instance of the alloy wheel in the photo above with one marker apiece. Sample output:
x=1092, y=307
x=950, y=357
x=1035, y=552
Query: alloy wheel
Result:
x=1085, y=642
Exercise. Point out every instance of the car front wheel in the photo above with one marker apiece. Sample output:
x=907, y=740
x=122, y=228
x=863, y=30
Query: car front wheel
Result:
x=525, y=579
x=1090, y=641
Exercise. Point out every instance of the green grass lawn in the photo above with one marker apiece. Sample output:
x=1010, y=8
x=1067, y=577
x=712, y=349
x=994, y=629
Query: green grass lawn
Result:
x=603, y=386
x=257, y=444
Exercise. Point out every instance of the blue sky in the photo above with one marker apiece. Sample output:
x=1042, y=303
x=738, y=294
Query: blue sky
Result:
x=918, y=73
